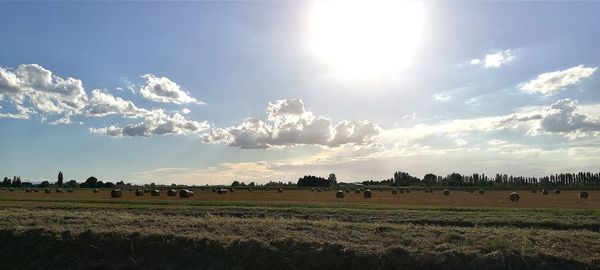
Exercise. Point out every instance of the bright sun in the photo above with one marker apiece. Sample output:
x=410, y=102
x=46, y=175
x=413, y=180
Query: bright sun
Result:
x=366, y=39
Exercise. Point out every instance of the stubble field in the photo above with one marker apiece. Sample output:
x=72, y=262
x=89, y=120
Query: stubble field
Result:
x=299, y=229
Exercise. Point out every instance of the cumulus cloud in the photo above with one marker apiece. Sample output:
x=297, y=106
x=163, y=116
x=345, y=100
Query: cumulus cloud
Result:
x=550, y=82
x=156, y=122
x=162, y=89
x=494, y=60
x=290, y=123
x=34, y=89
x=103, y=103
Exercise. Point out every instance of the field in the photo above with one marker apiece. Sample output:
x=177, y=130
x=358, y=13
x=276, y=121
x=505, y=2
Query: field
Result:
x=299, y=229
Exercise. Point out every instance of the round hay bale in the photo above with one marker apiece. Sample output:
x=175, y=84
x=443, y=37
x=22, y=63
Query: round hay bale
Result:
x=446, y=192
x=231, y=190
x=70, y=190
x=514, y=197
x=481, y=191
x=533, y=190
x=357, y=191
x=47, y=191
x=155, y=192
x=28, y=190
x=36, y=190
x=408, y=190
x=249, y=190
x=96, y=190
x=171, y=192
x=222, y=191
x=214, y=190
x=312, y=189
x=147, y=191
x=401, y=191
x=340, y=194
x=347, y=190
x=116, y=193
x=139, y=192
x=318, y=190
x=557, y=191
x=544, y=191
x=367, y=194
x=185, y=193
x=583, y=195
x=280, y=191
x=394, y=191
x=58, y=190
x=11, y=189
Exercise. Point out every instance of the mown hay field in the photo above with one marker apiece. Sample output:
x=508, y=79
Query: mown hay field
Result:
x=457, y=198
x=299, y=229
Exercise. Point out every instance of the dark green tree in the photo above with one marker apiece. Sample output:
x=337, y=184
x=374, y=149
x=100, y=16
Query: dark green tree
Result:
x=59, y=183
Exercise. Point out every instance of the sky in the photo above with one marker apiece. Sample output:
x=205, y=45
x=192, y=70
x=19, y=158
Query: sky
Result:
x=212, y=92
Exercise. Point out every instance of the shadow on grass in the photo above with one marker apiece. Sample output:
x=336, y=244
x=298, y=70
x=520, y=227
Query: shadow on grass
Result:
x=39, y=249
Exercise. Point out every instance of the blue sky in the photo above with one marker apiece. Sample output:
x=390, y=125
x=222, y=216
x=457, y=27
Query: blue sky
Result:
x=211, y=92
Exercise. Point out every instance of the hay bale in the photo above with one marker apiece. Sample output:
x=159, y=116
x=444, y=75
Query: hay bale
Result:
x=401, y=191
x=28, y=190
x=394, y=191
x=155, y=192
x=557, y=191
x=544, y=191
x=147, y=191
x=249, y=190
x=171, y=192
x=367, y=194
x=408, y=190
x=11, y=189
x=231, y=190
x=312, y=189
x=471, y=190
x=446, y=192
x=347, y=190
x=36, y=190
x=139, y=192
x=47, y=191
x=280, y=191
x=116, y=193
x=340, y=194
x=222, y=191
x=481, y=191
x=318, y=190
x=58, y=190
x=185, y=193
x=514, y=197
x=70, y=190
x=96, y=190
x=357, y=191
x=533, y=190
x=583, y=195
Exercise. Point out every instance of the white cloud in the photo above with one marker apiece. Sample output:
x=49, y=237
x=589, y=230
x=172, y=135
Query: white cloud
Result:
x=289, y=123
x=185, y=111
x=34, y=89
x=103, y=103
x=441, y=97
x=162, y=89
x=157, y=122
x=494, y=60
x=550, y=82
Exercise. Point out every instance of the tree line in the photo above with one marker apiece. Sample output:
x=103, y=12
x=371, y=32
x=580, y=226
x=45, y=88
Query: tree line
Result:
x=580, y=179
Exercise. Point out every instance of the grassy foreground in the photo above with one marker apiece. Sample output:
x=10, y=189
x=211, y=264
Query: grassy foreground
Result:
x=88, y=234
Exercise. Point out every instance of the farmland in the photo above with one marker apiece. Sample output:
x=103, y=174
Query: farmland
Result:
x=299, y=229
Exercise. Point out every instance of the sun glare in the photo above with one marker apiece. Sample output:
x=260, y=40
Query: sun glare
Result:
x=365, y=39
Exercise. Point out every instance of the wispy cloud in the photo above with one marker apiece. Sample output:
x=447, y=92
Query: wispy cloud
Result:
x=551, y=82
